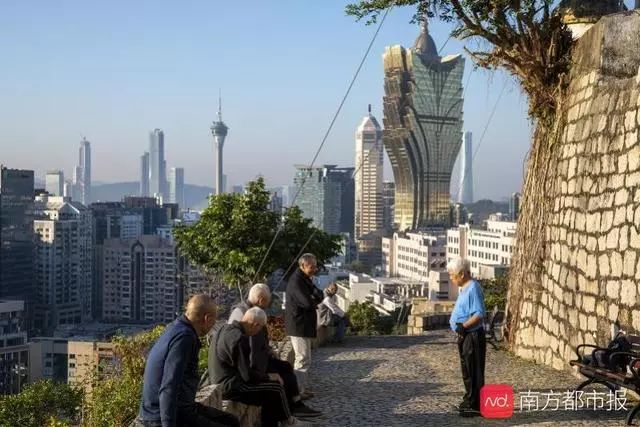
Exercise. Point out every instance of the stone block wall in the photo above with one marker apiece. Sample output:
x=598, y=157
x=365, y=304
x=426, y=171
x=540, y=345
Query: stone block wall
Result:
x=591, y=276
x=428, y=315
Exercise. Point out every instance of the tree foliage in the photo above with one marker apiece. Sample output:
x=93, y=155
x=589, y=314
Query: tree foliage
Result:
x=43, y=403
x=115, y=394
x=524, y=37
x=235, y=233
x=495, y=292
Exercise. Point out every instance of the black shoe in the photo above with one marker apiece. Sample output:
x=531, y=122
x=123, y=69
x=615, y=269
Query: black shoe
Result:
x=468, y=413
x=300, y=410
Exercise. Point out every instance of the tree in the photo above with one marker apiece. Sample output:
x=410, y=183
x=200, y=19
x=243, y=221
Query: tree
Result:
x=495, y=292
x=43, y=403
x=114, y=400
x=235, y=233
x=528, y=39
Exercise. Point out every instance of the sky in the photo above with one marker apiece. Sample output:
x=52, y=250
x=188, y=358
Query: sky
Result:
x=113, y=71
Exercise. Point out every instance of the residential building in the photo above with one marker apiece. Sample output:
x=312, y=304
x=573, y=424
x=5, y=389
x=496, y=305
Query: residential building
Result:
x=64, y=262
x=86, y=359
x=465, y=188
x=422, y=129
x=420, y=258
x=139, y=280
x=144, y=175
x=369, y=208
x=14, y=351
x=176, y=186
x=326, y=195
x=154, y=214
x=483, y=248
x=48, y=359
x=54, y=183
x=17, y=238
x=157, y=165
x=459, y=215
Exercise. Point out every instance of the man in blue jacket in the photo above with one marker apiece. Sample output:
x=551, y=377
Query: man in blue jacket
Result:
x=467, y=321
x=171, y=374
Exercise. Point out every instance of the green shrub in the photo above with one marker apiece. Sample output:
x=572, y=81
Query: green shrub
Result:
x=43, y=403
x=495, y=292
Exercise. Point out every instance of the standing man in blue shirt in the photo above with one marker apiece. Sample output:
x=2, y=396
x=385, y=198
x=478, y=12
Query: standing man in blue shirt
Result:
x=467, y=321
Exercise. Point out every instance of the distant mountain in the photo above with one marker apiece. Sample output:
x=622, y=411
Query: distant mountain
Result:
x=195, y=195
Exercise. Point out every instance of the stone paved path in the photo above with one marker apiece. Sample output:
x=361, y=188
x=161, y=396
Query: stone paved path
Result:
x=415, y=381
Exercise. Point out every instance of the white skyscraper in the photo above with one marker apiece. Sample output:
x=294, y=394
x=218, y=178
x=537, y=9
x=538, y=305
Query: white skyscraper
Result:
x=369, y=207
x=64, y=261
x=82, y=175
x=144, y=174
x=54, y=183
x=157, y=165
x=219, y=131
x=176, y=186
x=465, y=191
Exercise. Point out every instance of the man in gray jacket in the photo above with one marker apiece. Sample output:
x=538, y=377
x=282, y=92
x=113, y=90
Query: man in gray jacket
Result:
x=263, y=362
x=229, y=367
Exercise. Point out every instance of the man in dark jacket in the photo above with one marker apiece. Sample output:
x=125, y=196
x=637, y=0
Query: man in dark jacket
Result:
x=301, y=321
x=229, y=367
x=171, y=374
x=263, y=362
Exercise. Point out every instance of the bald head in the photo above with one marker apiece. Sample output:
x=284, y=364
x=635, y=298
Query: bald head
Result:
x=201, y=312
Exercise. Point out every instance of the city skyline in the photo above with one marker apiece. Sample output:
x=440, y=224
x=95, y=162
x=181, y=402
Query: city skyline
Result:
x=125, y=97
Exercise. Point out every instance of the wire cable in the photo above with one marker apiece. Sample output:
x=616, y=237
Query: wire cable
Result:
x=326, y=135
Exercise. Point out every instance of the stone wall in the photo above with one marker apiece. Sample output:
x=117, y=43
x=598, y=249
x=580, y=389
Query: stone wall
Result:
x=591, y=276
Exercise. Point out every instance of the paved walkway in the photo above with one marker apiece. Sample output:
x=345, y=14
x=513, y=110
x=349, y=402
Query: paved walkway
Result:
x=415, y=381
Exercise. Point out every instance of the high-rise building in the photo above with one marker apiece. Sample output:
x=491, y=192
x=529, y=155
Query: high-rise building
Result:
x=157, y=165
x=140, y=277
x=388, y=201
x=54, y=183
x=16, y=237
x=219, y=130
x=82, y=176
x=369, y=207
x=144, y=175
x=275, y=202
x=422, y=129
x=326, y=195
x=64, y=262
x=465, y=189
x=176, y=186
x=514, y=207
x=459, y=215
x=14, y=350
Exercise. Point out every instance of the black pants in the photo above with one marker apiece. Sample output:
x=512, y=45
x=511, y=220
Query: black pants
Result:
x=270, y=396
x=285, y=370
x=472, y=349
x=198, y=416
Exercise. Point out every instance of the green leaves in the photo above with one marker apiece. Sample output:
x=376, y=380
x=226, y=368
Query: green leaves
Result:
x=235, y=231
x=43, y=403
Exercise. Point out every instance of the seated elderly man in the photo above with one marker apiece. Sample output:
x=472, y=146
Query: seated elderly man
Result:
x=331, y=314
x=230, y=368
x=264, y=365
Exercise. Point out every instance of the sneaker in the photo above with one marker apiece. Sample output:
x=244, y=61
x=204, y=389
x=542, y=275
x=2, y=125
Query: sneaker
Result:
x=306, y=395
x=300, y=410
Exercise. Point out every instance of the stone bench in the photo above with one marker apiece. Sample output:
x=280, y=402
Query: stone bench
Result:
x=210, y=395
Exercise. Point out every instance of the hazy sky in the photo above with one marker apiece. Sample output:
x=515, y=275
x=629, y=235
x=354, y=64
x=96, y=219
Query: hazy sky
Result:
x=114, y=70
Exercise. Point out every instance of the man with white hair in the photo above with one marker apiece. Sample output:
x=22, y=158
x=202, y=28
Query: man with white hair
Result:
x=467, y=321
x=300, y=320
x=229, y=367
x=263, y=363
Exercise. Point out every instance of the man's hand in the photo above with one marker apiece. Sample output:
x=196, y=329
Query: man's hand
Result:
x=460, y=330
x=276, y=377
